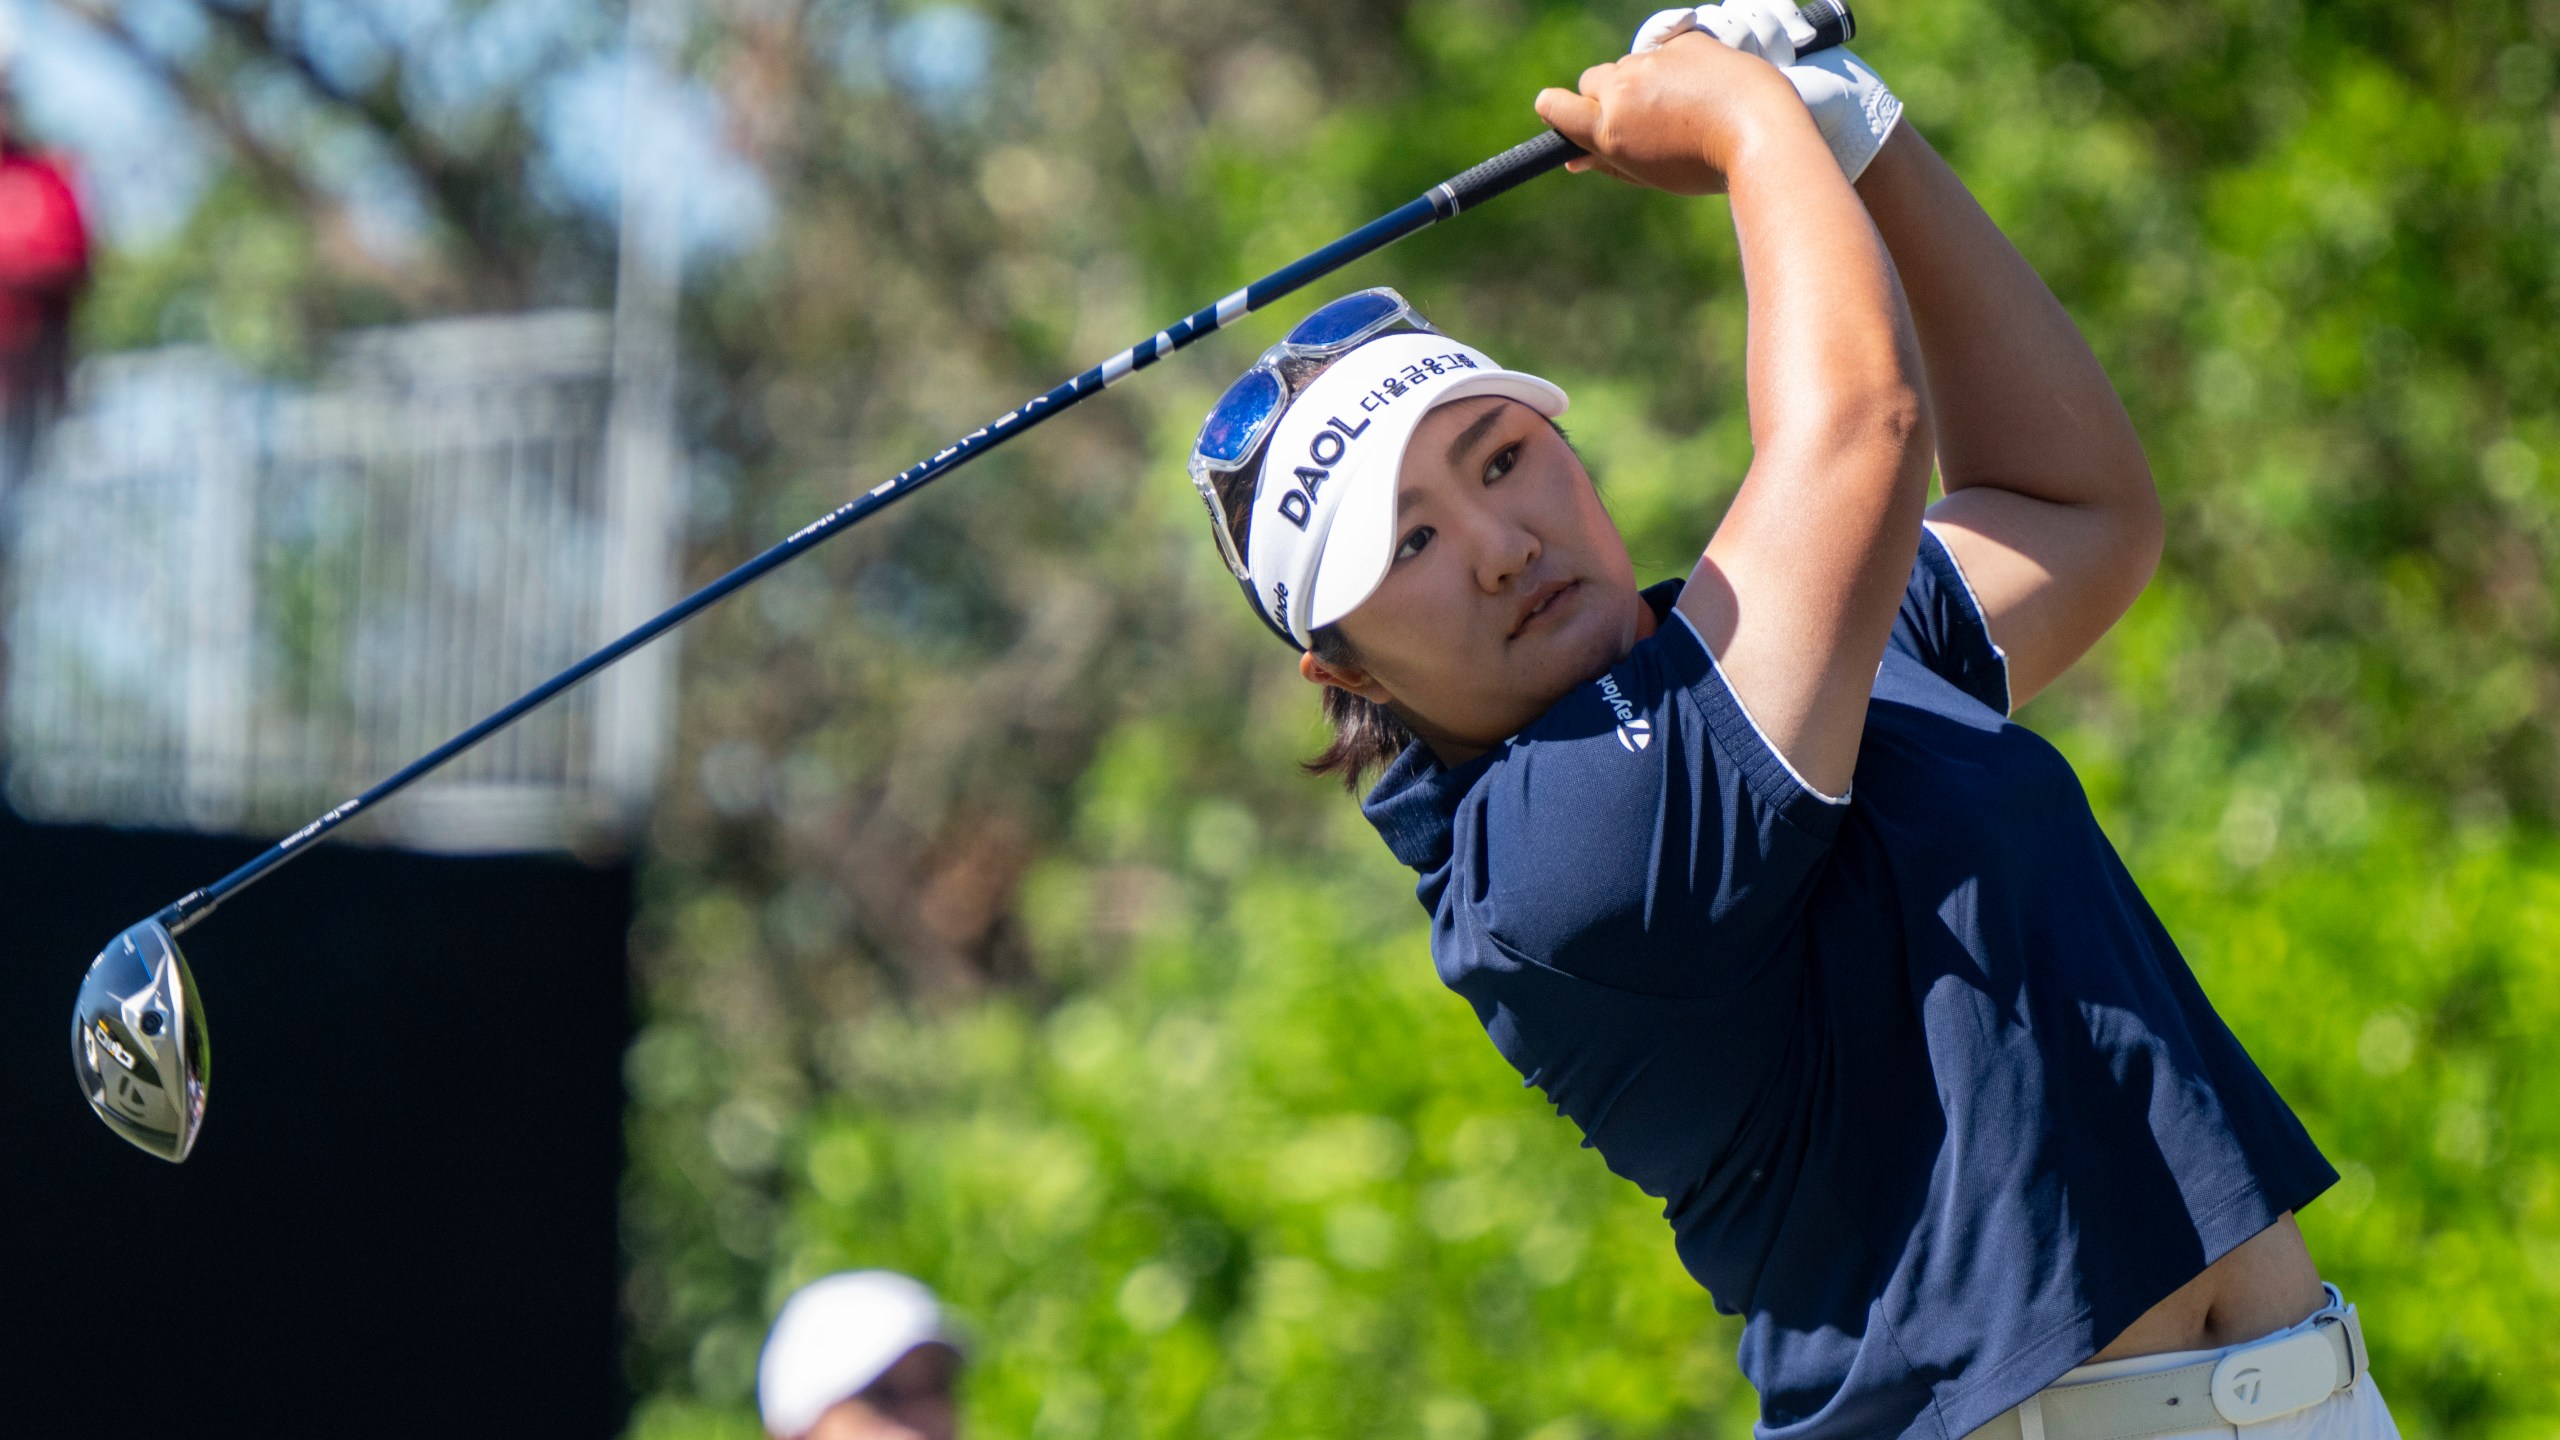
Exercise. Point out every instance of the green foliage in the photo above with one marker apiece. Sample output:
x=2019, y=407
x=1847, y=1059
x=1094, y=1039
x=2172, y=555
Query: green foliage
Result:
x=239, y=275
x=2395, y=982
x=1265, y=1178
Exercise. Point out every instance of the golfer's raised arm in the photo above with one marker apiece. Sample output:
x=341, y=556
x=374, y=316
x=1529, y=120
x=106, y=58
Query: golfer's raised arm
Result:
x=1797, y=591
x=2050, y=506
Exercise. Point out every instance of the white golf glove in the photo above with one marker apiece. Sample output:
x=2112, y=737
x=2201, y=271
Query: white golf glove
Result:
x=1850, y=105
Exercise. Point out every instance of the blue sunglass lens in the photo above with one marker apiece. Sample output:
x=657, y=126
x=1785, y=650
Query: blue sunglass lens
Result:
x=1229, y=430
x=1343, y=319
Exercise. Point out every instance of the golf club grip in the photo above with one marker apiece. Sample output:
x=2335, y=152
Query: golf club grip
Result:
x=1832, y=25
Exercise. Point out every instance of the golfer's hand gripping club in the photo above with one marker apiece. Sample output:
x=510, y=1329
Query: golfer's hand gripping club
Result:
x=139, y=1044
x=1847, y=99
x=1830, y=22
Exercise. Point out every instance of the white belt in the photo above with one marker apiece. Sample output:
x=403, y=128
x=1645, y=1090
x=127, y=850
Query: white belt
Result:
x=2245, y=1385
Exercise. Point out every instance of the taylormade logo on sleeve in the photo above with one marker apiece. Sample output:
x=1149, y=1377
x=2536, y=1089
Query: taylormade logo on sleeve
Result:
x=1634, y=731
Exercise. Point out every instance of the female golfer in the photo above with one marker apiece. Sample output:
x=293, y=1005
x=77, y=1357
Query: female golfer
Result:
x=1752, y=875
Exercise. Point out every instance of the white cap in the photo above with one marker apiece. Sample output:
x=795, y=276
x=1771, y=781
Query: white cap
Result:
x=834, y=1338
x=1324, y=508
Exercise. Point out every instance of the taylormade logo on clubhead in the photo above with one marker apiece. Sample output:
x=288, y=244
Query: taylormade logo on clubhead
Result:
x=1634, y=731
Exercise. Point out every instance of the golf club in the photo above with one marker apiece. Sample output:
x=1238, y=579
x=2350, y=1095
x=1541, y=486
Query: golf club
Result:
x=138, y=1037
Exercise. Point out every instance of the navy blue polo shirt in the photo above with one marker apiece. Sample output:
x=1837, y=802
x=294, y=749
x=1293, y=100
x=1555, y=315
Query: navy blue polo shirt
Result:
x=1925, y=1089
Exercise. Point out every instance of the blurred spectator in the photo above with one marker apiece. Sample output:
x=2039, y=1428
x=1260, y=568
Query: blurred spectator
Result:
x=860, y=1356
x=44, y=264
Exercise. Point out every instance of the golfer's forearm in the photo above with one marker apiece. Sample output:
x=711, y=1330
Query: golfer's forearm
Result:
x=1833, y=367
x=2020, y=402
x=1812, y=556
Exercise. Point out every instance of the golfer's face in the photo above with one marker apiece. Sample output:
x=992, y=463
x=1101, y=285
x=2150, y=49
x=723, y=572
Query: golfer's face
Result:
x=911, y=1401
x=1510, y=584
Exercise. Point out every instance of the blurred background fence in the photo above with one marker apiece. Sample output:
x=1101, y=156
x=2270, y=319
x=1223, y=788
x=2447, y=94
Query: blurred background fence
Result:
x=236, y=600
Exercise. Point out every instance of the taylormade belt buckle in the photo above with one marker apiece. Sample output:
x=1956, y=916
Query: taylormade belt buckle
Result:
x=2264, y=1382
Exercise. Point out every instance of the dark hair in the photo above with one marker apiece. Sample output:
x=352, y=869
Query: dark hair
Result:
x=1366, y=735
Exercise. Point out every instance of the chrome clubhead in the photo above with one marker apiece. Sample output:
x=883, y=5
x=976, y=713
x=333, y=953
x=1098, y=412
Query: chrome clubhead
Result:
x=138, y=1042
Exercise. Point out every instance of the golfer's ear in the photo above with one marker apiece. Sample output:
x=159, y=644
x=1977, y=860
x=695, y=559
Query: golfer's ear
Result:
x=1341, y=677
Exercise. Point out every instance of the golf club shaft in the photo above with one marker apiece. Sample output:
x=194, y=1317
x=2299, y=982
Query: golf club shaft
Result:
x=1832, y=25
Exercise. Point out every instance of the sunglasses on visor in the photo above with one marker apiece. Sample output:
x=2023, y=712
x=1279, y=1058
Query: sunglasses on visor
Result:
x=1244, y=417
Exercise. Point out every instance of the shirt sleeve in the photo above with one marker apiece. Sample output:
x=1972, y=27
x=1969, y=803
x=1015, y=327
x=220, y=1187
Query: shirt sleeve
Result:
x=1941, y=625
x=1643, y=833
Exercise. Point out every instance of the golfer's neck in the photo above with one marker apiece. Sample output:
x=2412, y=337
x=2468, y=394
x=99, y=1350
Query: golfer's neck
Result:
x=1452, y=752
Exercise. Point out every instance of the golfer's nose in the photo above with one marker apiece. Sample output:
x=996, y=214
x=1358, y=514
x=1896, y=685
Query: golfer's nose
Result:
x=1500, y=548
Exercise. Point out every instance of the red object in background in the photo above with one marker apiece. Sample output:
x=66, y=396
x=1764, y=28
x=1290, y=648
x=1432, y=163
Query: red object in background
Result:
x=44, y=263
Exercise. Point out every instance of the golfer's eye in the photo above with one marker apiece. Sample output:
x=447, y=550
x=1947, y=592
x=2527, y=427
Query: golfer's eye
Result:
x=1414, y=543
x=1501, y=463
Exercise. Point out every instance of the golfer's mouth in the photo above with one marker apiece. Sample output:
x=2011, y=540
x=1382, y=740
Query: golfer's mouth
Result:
x=1541, y=603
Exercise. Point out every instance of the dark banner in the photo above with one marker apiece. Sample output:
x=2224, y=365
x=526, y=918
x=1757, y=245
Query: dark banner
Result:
x=401, y=1217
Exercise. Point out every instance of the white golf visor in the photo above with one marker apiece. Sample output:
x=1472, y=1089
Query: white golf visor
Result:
x=1324, y=507
x=837, y=1336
